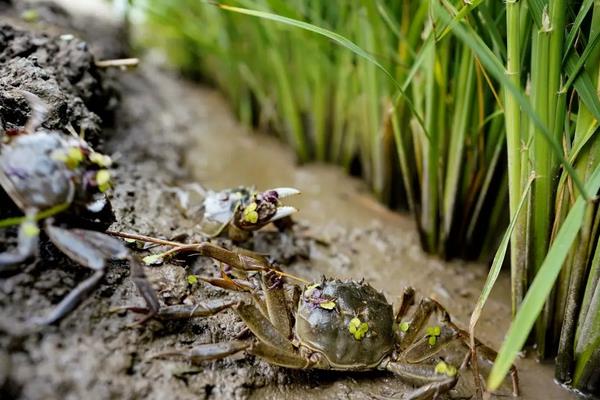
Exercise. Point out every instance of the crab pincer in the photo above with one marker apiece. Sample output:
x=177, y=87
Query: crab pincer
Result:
x=240, y=211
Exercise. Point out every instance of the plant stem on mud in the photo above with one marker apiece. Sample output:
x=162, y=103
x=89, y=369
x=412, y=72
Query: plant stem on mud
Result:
x=512, y=116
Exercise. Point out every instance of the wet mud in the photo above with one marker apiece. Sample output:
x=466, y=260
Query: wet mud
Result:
x=167, y=133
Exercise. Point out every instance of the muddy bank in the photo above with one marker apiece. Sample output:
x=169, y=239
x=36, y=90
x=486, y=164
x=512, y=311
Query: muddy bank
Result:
x=168, y=133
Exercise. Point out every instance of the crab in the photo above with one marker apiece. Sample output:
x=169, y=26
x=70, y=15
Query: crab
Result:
x=333, y=324
x=48, y=172
x=240, y=211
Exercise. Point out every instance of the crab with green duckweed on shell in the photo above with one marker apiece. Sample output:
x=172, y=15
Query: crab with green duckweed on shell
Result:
x=46, y=173
x=343, y=325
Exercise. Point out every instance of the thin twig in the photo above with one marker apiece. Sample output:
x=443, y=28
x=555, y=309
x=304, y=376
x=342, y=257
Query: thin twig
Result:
x=179, y=247
x=119, y=63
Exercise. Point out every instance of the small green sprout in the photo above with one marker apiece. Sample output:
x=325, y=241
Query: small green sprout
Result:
x=250, y=214
x=358, y=328
x=103, y=180
x=192, y=279
x=327, y=305
x=30, y=229
x=30, y=15
x=433, y=332
x=73, y=157
x=153, y=259
x=443, y=368
x=100, y=160
x=404, y=326
x=310, y=288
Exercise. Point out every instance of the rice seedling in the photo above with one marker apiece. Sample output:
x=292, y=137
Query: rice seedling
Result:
x=448, y=108
x=428, y=136
x=559, y=235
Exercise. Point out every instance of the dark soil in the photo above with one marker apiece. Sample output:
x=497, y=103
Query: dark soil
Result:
x=61, y=71
x=168, y=134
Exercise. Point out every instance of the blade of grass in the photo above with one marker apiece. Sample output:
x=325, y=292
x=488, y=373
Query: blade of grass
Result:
x=492, y=277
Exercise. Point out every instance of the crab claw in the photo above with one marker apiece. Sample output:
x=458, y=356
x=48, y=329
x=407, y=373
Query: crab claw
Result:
x=284, y=192
x=263, y=208
x=274, y=196
x=282, y=212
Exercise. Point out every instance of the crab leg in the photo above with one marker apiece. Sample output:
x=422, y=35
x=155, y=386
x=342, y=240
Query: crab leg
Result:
x=38, y=111
x=277, y=308
x=420, y=350
x=208, y=352
x=185, y=311
x=420, y=317
x=137, y=275
x=262, y=328
x=407, y=300
x=486, y=355
x=433, y=384
x=89, y=249
x=242, y=259
x=278, y=356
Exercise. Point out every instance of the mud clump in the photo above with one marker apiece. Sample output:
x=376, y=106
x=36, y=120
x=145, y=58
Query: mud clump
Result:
x=62, y=72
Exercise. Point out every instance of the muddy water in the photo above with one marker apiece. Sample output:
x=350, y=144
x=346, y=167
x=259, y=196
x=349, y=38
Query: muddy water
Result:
x=368, y=240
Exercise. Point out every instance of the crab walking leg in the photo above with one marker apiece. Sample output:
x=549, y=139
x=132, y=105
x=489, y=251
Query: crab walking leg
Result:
x=420, y=317
x=185, y=311
x=27, y=243
x=89, y=249
x=449, y=333
x=407, y=300
x=283, y=358
x=71, y=301
x=145, y=289
x=432, y=384
x=38, y=111
x=277, y=308
x=262, y=328
x=207, y=352
x=242, y=260
x=487, y=356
